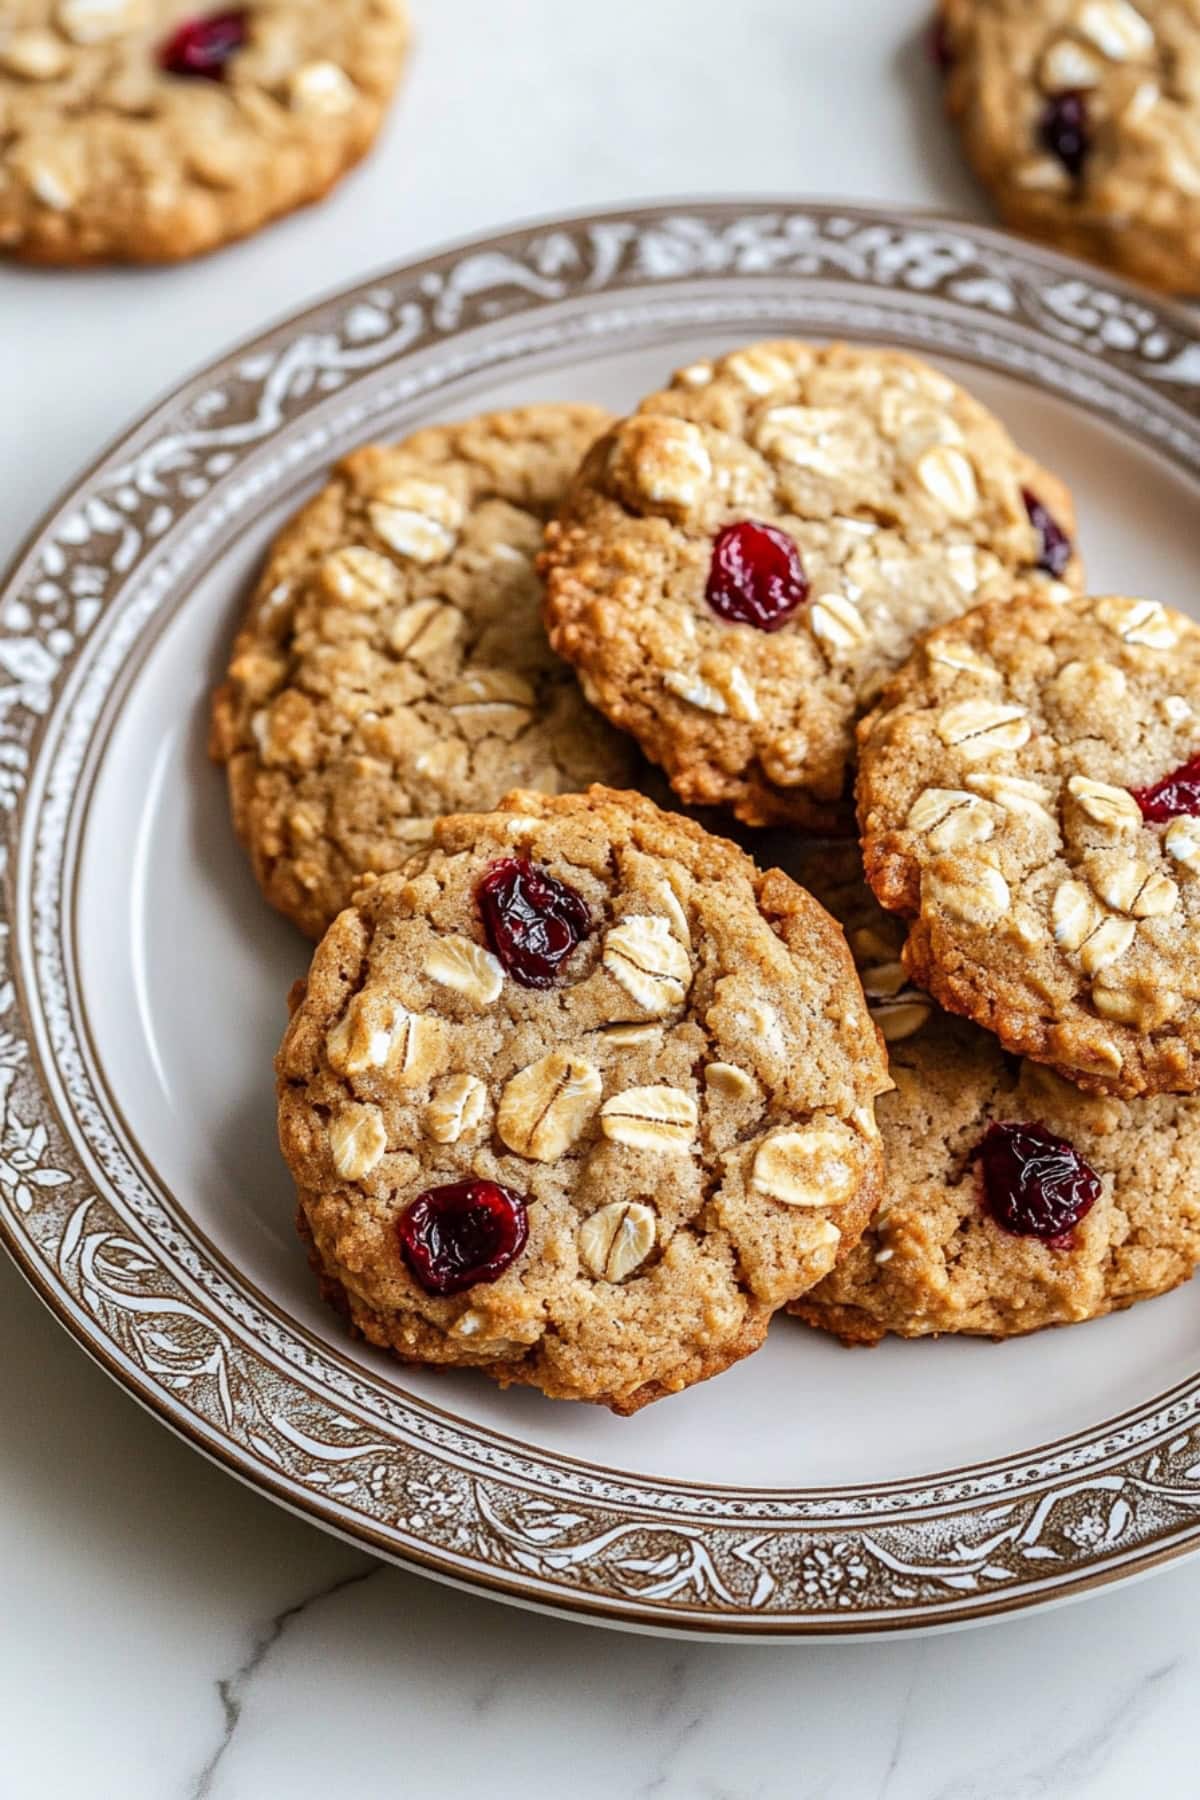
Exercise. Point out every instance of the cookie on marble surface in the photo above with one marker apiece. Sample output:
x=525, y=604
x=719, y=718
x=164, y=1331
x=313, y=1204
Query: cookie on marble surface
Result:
x=1082, y=117
x=580, y=1097
x=1029, y=797
x=741, y=563
x=394, y=666
x=149, y=130
x=1011, y=1200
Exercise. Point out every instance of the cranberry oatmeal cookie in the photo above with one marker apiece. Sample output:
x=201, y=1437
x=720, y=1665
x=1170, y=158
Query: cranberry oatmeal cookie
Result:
x=580, y=1097
x=1083, y=119
x=740, y=564
x=393, y=665
x=147, y=130
x=1011, y=1200
x=1029, y=797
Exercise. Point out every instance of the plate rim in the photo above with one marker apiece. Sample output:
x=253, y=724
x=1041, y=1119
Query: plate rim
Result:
x=1124, y=304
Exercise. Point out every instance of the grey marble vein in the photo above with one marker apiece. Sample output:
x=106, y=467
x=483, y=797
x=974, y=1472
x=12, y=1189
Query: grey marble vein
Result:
x=232, y=1689
x=1073, y=1766
x=680, y=1714
x=903, y=1712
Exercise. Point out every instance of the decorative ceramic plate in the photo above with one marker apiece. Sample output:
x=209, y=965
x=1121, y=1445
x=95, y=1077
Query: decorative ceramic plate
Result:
x=811, y=1490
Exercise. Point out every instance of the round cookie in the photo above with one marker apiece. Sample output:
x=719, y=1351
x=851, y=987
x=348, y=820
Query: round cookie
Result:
x=999, y=814
x=148, y=130
x=1083, y=119
x=739, y=565
x=936, y=1258
x=605, y=1185
x=393, y=665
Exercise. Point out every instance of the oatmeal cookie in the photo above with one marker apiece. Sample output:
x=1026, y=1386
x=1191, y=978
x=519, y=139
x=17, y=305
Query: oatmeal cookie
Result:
x=580, y=1097
x=1082, y=117
x=393, y=665
x=1029, y=797
x=145, y=130
x=1011, y=1200
x=739, y=565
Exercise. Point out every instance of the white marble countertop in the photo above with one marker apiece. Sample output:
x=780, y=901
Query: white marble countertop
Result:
x=166, y=1634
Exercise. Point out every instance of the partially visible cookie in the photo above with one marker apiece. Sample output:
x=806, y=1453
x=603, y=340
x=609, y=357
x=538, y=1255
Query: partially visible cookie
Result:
x=148, y=130
x=1029, y=797
x=739, y=566
x=393, y=665
x=986, y=1225
x=580, y=1097
x=1083, y=119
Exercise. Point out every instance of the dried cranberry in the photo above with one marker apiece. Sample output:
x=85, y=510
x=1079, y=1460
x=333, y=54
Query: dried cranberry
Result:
x=1055, y=548
x=941, y=50
x=455, y=1236
x=756, y=576
x=1036, y=1184
x=203, y=46
x=1063, y=130
x=1176, y=793
x=533, y=921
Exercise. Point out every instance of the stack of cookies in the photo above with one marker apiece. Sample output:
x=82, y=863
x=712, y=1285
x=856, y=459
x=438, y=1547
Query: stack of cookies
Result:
x=575, y=1093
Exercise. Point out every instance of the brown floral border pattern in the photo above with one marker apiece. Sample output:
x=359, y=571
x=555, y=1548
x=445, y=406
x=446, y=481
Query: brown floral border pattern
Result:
x=122, y=1270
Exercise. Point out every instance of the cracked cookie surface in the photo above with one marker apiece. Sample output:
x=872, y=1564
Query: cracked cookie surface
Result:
x=1083, y=119
x=393, y=665
x=933, y=1259
x=998, y=804
x=149, y=130
x=847, y=499
x=684, y=1115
